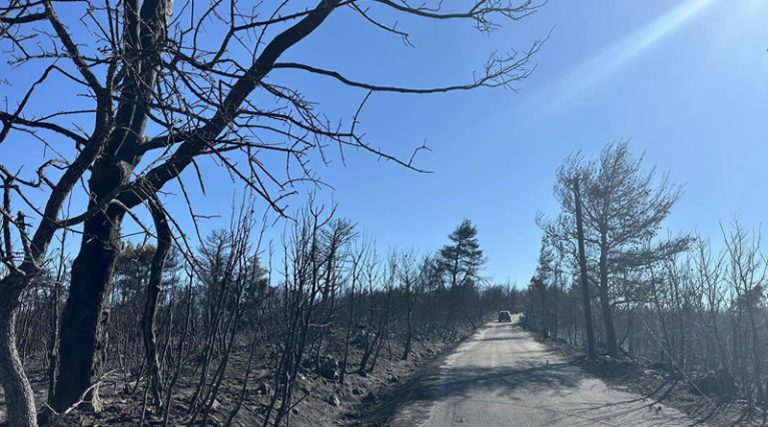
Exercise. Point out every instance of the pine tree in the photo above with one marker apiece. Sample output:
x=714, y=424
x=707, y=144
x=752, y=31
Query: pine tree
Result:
x=462, y=259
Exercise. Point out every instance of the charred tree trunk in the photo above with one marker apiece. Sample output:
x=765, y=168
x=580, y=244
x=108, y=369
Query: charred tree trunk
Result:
x=18, y=393
x=756, y=355
x=605, y=302
x=85, y=315
x=53, y=346
x=150, y=308
x=408, y=320
x=586, y=301
x=348, y=332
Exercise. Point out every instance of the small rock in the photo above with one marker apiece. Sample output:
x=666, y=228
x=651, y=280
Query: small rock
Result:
x=263, y=389
x=329, y=368
x=216, y=405
x=352, y=414
x=334, y=400
x=357, y=391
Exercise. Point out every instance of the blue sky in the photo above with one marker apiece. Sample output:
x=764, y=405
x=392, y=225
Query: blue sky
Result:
x=685, y=81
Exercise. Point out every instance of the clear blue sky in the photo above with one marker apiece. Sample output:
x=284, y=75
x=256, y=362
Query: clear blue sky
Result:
x=686, y=81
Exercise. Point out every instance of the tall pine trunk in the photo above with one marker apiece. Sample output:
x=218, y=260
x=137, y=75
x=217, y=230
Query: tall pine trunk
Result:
x=605, y=302
x=586, y=301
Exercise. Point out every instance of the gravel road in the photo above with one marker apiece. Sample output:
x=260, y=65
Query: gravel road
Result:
x=502, y=377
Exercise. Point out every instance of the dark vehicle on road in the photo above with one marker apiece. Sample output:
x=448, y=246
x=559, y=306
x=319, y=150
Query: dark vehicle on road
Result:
x=505, y=316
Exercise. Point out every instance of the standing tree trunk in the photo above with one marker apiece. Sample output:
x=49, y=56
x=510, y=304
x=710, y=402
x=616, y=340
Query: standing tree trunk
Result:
x=53, y=345
x=85, y=315
x=356, y=266
x=408, y=320
x=583, y=273
x=605, y=302
x=150, y=308
x=18, y=394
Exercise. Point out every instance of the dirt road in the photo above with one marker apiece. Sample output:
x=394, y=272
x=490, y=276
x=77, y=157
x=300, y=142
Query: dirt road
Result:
x=503, y=377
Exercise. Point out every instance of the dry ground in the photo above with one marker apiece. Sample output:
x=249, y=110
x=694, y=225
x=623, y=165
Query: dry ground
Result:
x=319, y=401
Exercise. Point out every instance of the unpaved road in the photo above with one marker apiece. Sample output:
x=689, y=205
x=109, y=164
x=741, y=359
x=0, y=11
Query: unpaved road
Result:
x=502, y=377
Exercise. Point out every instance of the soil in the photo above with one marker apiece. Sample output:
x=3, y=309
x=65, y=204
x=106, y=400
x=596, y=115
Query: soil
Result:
x=660, y=383
x=363, y=399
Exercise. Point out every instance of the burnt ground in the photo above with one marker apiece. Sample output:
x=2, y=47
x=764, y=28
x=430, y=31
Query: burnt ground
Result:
x=372, y=399
x=392, y=398
x=660, y=383
x=363, y=399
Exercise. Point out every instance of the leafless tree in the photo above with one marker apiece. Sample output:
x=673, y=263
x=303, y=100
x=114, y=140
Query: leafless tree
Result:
x=162, y=86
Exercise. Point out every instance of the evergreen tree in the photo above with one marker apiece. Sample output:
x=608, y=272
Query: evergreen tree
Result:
x=462, y=259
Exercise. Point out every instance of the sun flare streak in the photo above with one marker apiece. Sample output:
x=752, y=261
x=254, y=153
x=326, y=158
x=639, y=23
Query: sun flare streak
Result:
x=620, y=53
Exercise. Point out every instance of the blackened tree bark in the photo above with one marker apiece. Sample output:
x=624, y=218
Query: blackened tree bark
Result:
x=407, y=273
x=357, y=266
x=18, y=393
x=153, y=293
x=53, y=345
x=605, y=300
x=585, y=298
x=85, y=315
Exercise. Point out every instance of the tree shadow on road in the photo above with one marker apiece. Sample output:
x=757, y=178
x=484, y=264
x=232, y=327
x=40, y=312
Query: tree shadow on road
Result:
x=508, y=385
x=414, y=398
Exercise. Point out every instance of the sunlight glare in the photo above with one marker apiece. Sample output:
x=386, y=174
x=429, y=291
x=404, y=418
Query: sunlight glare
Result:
x=624, y=50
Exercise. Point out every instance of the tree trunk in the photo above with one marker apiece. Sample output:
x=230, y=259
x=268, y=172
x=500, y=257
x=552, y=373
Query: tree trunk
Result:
x=150, y=308
x=53, y=345
x=85, y=315
x=605, y=303
x=757, y=358
x=586, y=301
x=348, y=333
x=20, y=400
x=408, y=322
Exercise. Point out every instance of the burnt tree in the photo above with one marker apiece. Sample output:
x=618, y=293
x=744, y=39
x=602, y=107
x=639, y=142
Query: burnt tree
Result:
x=161, y=93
